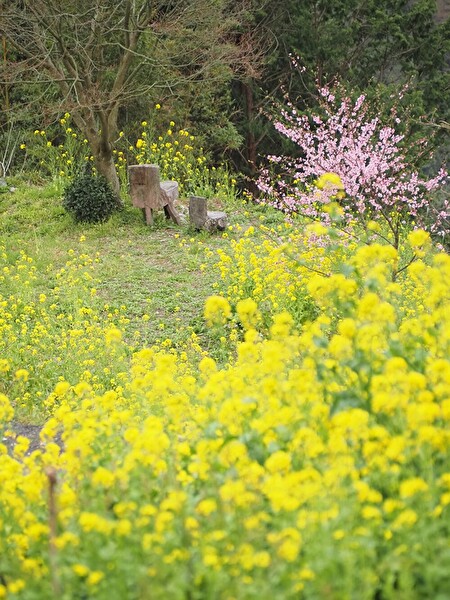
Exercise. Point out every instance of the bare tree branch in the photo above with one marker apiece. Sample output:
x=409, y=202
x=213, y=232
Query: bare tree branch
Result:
x=95, y=52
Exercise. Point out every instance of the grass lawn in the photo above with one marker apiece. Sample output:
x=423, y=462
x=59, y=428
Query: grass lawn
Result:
x=157, y=278
x=161, y=271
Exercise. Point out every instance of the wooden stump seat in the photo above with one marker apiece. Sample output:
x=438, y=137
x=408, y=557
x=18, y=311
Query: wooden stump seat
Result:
x=202, y=218
x=149, y=193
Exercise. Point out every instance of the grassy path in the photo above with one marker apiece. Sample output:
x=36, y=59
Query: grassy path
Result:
x=162, y=274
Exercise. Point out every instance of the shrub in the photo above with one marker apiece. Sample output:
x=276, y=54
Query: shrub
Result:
x=90, y=199
x=57, y=153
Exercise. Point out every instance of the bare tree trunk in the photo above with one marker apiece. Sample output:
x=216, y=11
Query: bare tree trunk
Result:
x=251, y=145
x=100, y=145
x=250, y=137
x=106, y=167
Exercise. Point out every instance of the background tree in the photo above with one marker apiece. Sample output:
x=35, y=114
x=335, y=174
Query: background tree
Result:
x=375, y=46
x=204, y=103
x=102, y=53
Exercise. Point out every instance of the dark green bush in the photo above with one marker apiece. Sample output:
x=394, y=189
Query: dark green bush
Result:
x=90, y=199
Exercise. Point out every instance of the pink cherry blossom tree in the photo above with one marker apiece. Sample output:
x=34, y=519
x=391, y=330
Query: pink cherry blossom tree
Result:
x=348, y=156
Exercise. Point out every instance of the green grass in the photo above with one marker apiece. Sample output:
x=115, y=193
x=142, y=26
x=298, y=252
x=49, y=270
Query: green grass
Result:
x=161, y=271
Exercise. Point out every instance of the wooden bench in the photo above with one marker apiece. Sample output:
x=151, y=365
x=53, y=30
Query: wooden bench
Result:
x=149, y=193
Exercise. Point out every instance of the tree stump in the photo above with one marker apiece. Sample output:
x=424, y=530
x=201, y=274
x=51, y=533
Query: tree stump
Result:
x=149, y=193
x=201, y=218
x=216, y=221
x=198, y=212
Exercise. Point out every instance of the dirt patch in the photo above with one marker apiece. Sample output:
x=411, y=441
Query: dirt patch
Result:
x=31, y=432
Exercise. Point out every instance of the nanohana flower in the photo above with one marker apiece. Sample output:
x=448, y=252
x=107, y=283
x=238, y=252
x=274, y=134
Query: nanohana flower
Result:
x=248, y=313
x=22, y=374
x=217, y=310
x=418, y=238
x=329, y=181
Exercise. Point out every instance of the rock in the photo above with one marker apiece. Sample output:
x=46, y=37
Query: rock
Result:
x=4, y=188
x=216, y=221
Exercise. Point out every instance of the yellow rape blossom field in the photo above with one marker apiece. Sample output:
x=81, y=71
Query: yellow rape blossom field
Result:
x=300, y=449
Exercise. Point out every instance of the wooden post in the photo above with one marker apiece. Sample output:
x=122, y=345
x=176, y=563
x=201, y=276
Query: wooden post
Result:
x=149, y=194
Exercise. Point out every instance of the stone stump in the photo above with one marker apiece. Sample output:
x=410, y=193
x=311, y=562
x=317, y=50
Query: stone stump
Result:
x=201, y=218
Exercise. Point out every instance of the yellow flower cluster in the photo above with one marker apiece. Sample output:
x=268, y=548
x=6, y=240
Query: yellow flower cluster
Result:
x=180, y=160
x=54, y=336
x=217, y=310
x=175, y=151
x=311, y=456
x=60, y=161
x=271, y=266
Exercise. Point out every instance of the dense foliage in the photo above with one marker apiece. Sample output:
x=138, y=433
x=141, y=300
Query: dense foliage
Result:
x=219, y=76
x=374, y=47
